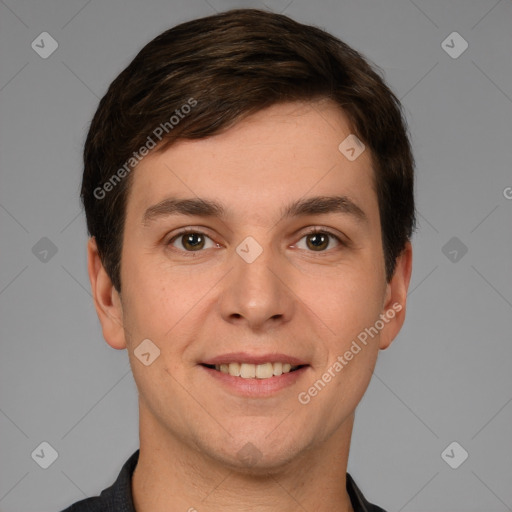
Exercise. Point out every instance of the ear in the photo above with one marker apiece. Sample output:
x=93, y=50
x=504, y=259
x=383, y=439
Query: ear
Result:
x=106, y=299
x=396, y=298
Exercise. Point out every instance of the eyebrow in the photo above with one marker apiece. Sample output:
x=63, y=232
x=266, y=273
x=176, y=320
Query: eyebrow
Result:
x=317, y=205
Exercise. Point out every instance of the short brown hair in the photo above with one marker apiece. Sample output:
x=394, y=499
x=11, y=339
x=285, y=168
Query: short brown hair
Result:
x=231, y=65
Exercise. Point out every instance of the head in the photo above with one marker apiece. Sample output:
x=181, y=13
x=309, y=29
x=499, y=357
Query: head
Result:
x=246, y=110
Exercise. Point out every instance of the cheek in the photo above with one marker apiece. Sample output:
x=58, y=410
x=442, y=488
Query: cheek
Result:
x=146, y=300
x=347, y=301
x=160, y=301
x=350, y=308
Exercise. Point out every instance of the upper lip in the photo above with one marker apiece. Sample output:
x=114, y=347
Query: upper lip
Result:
x=244, y=357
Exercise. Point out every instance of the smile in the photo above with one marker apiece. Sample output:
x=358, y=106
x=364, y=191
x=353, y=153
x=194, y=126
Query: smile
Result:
x=255, y=371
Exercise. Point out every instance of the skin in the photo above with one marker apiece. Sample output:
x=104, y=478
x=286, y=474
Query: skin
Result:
x=292, y=299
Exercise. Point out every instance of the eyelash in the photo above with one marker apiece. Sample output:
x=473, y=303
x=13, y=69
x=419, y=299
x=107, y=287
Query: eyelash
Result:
x=311, y=231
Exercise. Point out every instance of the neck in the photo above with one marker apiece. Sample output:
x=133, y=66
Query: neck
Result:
x=173, y=476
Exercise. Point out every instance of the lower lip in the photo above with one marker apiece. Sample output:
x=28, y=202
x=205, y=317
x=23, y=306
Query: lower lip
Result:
x=256, y=387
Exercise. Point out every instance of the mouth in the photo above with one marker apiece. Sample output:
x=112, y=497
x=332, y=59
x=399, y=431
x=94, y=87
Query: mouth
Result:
x=262, y=371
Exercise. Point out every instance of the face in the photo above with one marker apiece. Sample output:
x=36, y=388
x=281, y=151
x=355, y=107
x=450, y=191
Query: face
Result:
x=250, y=284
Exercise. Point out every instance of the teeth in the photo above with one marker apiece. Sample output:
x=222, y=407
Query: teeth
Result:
x=264, y=371
x=251, y=371
x=234, y=369
x=247, y=371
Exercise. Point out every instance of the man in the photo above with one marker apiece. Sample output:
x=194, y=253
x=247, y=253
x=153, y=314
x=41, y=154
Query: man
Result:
x=248, y=187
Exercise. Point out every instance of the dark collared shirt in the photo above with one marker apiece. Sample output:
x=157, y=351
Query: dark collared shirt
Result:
x=118, y=497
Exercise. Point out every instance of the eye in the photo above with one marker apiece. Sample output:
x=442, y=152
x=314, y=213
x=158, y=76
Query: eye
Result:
x=318, y=240
x=192, y=240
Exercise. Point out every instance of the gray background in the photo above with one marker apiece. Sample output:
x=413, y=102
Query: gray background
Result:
x=445, y=378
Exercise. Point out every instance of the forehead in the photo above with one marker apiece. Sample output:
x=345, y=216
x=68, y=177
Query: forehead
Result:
x=280, y=154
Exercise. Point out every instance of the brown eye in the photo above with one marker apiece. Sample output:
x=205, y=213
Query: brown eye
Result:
x=320, y=240
x=190, y=241
x=193, y=241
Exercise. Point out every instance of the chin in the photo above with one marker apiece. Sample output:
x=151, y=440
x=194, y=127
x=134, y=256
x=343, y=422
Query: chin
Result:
x=262, y=452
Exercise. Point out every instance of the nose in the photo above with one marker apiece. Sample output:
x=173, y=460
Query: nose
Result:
x=257, y=293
